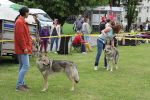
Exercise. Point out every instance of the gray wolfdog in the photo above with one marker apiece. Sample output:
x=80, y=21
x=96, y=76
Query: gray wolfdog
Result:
x=47, y=66
x=112, y=56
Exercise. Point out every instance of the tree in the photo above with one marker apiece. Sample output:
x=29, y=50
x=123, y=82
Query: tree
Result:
x=131, y=12
x=130, y=5
x=115, y=3
x=61, y=9
x=17, y=0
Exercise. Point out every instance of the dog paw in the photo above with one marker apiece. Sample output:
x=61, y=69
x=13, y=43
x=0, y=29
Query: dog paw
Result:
x=43, y=90
x=116, y=68
x=72, y=89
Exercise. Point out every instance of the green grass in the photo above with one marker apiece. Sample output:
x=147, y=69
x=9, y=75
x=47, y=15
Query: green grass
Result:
x=68, y=29
x=130, y=82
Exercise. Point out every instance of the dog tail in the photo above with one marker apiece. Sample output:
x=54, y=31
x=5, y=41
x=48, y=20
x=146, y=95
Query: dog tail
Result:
x=76, y=74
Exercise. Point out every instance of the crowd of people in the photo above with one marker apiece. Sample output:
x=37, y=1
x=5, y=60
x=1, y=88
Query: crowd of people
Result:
x=82, y=28
x=81, y=40
x=141, y=27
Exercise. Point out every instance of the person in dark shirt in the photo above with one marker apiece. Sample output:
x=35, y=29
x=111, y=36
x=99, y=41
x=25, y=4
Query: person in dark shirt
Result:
x=55, y=31
x=102, y=24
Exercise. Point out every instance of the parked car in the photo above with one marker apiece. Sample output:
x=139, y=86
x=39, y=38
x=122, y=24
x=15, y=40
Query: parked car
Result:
x=42, y=17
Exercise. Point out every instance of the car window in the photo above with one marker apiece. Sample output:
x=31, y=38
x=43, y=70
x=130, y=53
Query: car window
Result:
x=44, y=17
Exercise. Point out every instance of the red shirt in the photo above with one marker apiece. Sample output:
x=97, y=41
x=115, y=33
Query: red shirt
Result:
x=78, y=40
x=22, y=37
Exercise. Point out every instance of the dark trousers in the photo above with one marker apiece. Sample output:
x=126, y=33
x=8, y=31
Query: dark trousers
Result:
x=44, y=44
x=83, y=49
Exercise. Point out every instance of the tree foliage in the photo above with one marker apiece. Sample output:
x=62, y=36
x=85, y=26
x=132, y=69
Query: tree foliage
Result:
x=131, y=6
x=61, y=9
x=131, y=12
x=115, y=2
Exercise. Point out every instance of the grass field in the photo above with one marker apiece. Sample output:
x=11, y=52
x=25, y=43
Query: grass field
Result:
x=130, y=82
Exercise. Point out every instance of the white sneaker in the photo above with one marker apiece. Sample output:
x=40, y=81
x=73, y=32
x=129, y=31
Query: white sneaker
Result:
x=84, y=53
x=95, y=68
x=55, y=52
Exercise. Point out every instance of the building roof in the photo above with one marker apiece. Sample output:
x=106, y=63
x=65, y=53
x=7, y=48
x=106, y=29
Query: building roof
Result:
x=106, y=8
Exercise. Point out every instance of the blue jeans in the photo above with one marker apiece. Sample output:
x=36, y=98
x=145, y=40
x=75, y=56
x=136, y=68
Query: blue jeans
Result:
x=100, y=46
x=23, y=68
x=83, y=49
x=86, y=38
x=52, y=43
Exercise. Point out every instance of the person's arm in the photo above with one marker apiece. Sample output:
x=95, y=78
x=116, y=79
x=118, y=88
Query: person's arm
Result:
x=51, y=30
x=107, y=29
x=81, y=40
x=59, y=30
x=74, y=26
x=20, y=34
x=86, y=27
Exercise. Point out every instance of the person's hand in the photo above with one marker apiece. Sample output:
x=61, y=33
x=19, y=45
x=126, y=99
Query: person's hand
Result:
x=25, y=51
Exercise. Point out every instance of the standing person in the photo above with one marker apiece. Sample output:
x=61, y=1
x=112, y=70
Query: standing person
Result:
x=37, y=22
x=102, y=24
x=141, y=28
x=78, y=24
x=149, y=27
x=107, y=33
x=55, y=31
x=146, y=26
x=88, y=20
x=23, y=47
x=44, y=41
x=86, y=30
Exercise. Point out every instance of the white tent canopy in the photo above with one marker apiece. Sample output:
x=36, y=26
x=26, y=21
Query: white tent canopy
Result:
x=8, y=13
x=6, y=3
